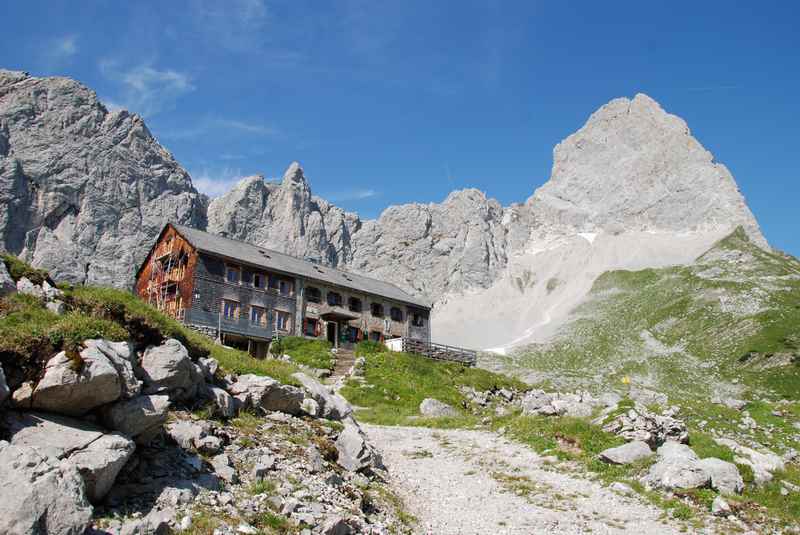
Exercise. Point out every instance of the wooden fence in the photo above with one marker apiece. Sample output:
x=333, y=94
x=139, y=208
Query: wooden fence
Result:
x=466, y=357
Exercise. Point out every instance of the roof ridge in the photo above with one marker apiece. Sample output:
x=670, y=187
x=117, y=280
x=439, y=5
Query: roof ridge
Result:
x=273, y=251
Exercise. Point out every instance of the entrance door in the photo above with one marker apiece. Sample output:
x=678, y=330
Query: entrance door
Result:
x=332, y=333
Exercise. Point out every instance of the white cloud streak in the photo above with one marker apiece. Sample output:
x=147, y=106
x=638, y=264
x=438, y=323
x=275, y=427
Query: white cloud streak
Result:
x=216, y=182
x=357, y=194
x=145, y=89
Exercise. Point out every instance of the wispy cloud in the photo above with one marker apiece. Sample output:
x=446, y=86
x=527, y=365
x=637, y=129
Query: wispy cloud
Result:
x=145, y=89
x=216, y=124
x=216, y=182
x=234, y=24
x=58, y=50
x=357, y=194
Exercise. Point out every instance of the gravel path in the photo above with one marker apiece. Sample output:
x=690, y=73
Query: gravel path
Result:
x=459, y=482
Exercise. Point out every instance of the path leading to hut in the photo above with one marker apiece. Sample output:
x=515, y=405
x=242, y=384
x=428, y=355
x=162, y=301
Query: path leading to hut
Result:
x=459, y=482
x=345, y=358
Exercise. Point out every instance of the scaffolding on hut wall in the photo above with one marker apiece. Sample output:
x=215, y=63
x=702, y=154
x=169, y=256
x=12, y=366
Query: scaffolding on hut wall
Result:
x=167, y=269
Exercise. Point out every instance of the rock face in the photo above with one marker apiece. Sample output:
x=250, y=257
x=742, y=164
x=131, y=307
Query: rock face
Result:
x=83, y=191
x=47, y=497
x=98, y=457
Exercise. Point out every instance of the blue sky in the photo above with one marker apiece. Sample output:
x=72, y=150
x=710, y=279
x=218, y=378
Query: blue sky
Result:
x=391, y=102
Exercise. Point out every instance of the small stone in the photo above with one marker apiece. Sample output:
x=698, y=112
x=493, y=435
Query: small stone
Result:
x=621, y=488
x=436, y=409
x=246, y=529
x=719, y=507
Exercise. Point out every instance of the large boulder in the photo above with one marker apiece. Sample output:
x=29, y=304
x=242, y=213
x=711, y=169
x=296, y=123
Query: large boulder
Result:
x=140, y=417
x=627, y=453
x=356, y=454
x=677, y=469
x=763, y=463
x=76, y=384
x=258, y=392
x=436, y=409
x=123, y=358
x=641, y=424
x=725, y=477
x=331, y=406
x=7, y=285
x=97, y=456
x=40, y=494
x=4, y=390
x=167, y=369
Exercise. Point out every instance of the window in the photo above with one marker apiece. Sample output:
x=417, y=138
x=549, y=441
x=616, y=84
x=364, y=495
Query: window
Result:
x=285, y=287
x=375, y=336
x=313, y=295
x=377, y=310
x=418, y=320
x=273, y=282
x=232, y=274
x=282, y=320
x=334, y=299
x=258, y=280
x=311, y=328
x=258, y=316
x=354, y=304
x=396, y=313
x=230, y=309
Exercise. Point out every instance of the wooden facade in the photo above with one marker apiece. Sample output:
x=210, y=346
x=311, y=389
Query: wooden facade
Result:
x=246, y=296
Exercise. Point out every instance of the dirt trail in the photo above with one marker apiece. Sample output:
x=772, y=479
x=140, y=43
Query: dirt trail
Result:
x=459, y=482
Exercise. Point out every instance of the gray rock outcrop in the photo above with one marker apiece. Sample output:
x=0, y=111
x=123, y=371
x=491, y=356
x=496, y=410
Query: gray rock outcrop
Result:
x=38, y=493
x=627, y=453
x=254, y=391
x=356, y=454
x=167, y=369
x=641, y=424
x=97, y=456
x=73, y=385
x=434, y=408
x=332, y=406
x=763, y=463
x=83, y=191
x=140, y=417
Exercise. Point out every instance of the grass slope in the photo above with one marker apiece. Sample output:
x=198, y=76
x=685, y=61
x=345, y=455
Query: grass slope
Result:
x=396, y=383
x=30, y=334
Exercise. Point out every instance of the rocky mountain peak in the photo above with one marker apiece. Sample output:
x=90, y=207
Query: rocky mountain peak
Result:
x=83, y=191
x=294, y=174
x=633, y=166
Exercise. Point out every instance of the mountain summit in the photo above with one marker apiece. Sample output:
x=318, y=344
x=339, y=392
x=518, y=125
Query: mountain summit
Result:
x=634, y=166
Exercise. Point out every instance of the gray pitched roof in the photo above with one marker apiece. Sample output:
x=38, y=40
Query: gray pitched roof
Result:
x=269, y=259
